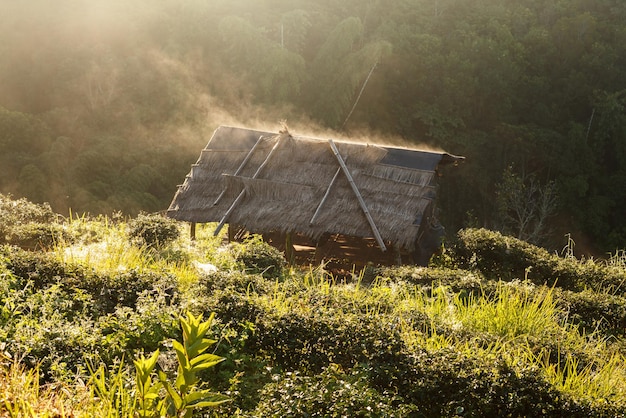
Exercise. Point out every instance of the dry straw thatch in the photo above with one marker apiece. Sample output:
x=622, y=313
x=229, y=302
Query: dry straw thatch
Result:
x=278, y=182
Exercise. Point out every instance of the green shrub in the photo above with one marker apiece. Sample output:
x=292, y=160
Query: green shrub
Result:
x=310, y=343
x=125, y=287
x=42, y=268
x=52, y=327
x=37, y=236
x=108, y=291
x=21, y=211
x=144, y=327
x=594, y=311
x=153, y=231
x=449, y=383
x=500, y=257
x=456, y=279
x=332, y=393
x=29, y=225
x=235, y=281
x=261, y=258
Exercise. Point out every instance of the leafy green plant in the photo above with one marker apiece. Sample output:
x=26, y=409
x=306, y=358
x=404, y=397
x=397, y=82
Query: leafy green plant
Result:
x=156, y=395
x=116, y=400
x=153, y=231
x=332, y=393
x=184, y=394
x=148, y=386
x=501, y=257
x=261, y=258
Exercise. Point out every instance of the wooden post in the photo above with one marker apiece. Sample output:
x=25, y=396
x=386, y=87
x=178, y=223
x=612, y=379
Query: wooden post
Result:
x=243, y=192
x=192, y=231
x=355, y=189
x=231, y=233
x=289, y=250
x=319, y=247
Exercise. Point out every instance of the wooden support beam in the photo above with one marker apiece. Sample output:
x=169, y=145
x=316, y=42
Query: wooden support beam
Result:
x=241, y=166
x=231, y=233
x=319, y=207
x=289, y=250
x=243, y=192
x=356, y=191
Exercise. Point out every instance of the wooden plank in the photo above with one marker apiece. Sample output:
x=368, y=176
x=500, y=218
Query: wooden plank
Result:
x=357, y=193
x=243, y=192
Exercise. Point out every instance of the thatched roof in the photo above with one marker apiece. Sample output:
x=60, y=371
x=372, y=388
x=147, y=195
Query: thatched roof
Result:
x=282, y=183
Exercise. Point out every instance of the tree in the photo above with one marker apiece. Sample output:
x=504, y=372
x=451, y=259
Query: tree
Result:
x=525, y=205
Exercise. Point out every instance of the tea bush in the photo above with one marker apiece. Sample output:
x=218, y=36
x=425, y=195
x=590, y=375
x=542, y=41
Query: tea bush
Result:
x=259, y=257
x=38, y=236
x=125, y=287
x=51, y=327
x=42, y=268
x=142, y=327
x=410, y=342
x=54, y=313
x=450, y=383
x=456, y=279
x=500, y=257
x=594, y=311
x=15, y=212
x=233, y=280
x=29, y=225
x=311, y=343
x=332, y=393
x=152, y=231
x=108, y=290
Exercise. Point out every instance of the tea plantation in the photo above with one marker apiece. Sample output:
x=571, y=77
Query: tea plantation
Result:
x=127, y=317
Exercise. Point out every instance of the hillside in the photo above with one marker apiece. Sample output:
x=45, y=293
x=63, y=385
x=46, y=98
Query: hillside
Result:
x=495, y=326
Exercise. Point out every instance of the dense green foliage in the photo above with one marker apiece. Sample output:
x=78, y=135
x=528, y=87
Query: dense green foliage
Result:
x=260, y=257
x=495, y=326
x=105, y=104
x=152, y=230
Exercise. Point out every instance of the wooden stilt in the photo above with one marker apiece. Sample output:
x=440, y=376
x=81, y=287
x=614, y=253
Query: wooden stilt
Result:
x=192, y=231
x=289, y=250
x=319, y=247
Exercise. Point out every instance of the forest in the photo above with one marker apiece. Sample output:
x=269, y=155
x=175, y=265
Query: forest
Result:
x=105, y=104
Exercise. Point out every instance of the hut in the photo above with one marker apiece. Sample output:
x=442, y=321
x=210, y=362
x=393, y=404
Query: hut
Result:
x=351, y=201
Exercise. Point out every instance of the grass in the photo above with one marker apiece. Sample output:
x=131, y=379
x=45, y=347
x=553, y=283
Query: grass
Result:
x=22, y=395
x=517, y=323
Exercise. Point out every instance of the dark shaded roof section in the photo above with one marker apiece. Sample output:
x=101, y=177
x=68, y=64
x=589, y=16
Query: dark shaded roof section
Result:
x=277, y=182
